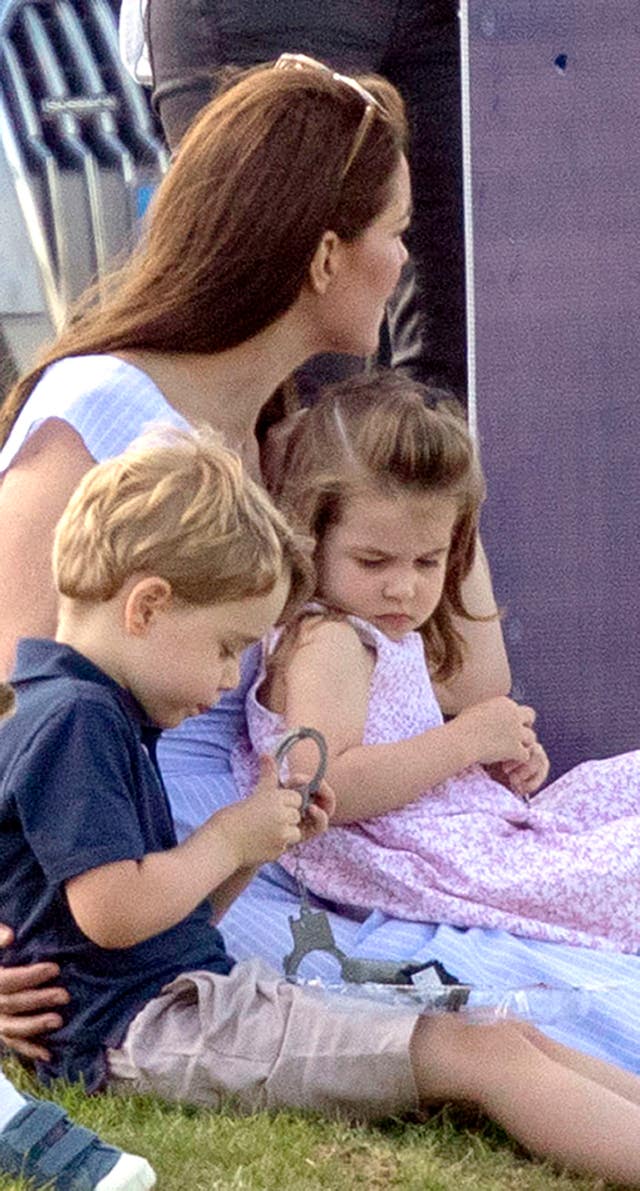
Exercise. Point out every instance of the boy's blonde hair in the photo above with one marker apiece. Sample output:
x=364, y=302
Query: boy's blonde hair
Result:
x=177, y=504
x=377, y=432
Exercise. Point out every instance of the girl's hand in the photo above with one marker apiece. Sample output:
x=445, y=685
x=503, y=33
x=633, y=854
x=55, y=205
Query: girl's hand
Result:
x=25, y=1006
x=526, y=777
x=319, y=812
x=498, y=730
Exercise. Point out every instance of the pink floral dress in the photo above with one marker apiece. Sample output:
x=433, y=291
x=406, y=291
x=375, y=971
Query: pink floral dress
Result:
x=467, y=852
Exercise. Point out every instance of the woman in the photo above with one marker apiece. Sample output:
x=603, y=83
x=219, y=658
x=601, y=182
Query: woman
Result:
x=276, y=234
x=414, y=45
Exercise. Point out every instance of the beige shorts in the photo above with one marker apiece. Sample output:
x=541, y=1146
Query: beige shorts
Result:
x=269, y=1044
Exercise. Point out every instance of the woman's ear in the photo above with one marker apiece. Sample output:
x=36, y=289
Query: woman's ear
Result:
x=147, y=599
x=325, y=262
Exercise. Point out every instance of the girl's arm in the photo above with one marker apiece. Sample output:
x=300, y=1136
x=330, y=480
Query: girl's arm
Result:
x=326, y=687
x=485, y=672
x=33, y=494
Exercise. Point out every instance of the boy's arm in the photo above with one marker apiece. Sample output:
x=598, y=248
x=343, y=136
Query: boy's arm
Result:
x=124, y=903
x=485, y=672
x=226, y=893
x=327, y=686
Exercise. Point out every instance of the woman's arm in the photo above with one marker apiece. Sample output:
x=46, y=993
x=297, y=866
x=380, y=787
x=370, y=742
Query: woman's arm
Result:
x=485, y=672
x=326, y=687
x=33, y=494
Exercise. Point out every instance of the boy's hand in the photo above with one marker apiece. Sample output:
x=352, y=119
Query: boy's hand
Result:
x=498, y=730
x=525, y=777
x=260, y=827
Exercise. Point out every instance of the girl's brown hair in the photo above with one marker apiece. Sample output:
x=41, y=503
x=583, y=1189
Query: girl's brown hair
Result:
x=235, y=223
x=378, y=431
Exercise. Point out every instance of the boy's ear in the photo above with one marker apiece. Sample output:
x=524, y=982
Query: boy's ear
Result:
x=147, y=598
x=325, y=262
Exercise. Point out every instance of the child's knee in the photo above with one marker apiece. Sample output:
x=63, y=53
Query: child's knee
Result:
x=455, y=1059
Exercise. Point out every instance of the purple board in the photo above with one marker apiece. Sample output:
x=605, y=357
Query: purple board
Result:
x=555, y=150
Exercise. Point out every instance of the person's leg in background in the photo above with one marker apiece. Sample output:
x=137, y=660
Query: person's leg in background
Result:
x=427, y=330
x=190, y=40
x=416, y=44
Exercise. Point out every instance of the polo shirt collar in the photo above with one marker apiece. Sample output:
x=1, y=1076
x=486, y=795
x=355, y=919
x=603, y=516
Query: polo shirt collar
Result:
x=41, y=657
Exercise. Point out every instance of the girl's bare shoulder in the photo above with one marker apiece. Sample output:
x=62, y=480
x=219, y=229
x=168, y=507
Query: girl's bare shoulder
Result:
x=328, y=632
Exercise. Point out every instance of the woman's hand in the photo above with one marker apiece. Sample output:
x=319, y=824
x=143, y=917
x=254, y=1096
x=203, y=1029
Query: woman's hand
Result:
x=25, y=1005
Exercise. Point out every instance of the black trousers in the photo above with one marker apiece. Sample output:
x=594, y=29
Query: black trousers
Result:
x=413, y=43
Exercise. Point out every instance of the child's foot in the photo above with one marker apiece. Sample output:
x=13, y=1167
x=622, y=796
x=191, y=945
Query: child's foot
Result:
x=42, y=1144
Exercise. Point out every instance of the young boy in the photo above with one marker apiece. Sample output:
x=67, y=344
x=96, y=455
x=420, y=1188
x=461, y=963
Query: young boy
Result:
x=169, y=562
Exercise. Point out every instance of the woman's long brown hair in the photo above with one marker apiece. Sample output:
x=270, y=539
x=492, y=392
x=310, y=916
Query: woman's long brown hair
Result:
x=234, y=225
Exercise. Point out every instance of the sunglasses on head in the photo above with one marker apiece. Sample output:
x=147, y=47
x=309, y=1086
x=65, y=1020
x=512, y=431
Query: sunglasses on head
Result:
x=371, y=104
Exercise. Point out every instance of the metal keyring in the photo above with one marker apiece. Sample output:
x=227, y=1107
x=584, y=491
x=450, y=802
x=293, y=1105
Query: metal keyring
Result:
x=293, y=737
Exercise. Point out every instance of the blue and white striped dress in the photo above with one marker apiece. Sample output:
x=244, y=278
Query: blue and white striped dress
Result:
x=108, y=403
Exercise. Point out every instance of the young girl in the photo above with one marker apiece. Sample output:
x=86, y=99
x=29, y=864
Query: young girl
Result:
x=433, y=821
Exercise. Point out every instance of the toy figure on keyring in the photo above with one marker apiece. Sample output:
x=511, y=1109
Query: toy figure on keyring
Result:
x=391, y=490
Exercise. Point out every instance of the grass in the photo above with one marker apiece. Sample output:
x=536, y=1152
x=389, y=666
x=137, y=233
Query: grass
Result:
x=200, y=1150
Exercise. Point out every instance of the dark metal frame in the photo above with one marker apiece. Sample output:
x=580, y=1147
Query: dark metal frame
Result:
x=79, y=156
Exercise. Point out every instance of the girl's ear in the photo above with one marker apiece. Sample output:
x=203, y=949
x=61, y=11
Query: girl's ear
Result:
x=325, y=262
x=147, y=599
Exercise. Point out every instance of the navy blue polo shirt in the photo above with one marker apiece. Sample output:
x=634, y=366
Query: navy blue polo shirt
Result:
x=79, y=788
